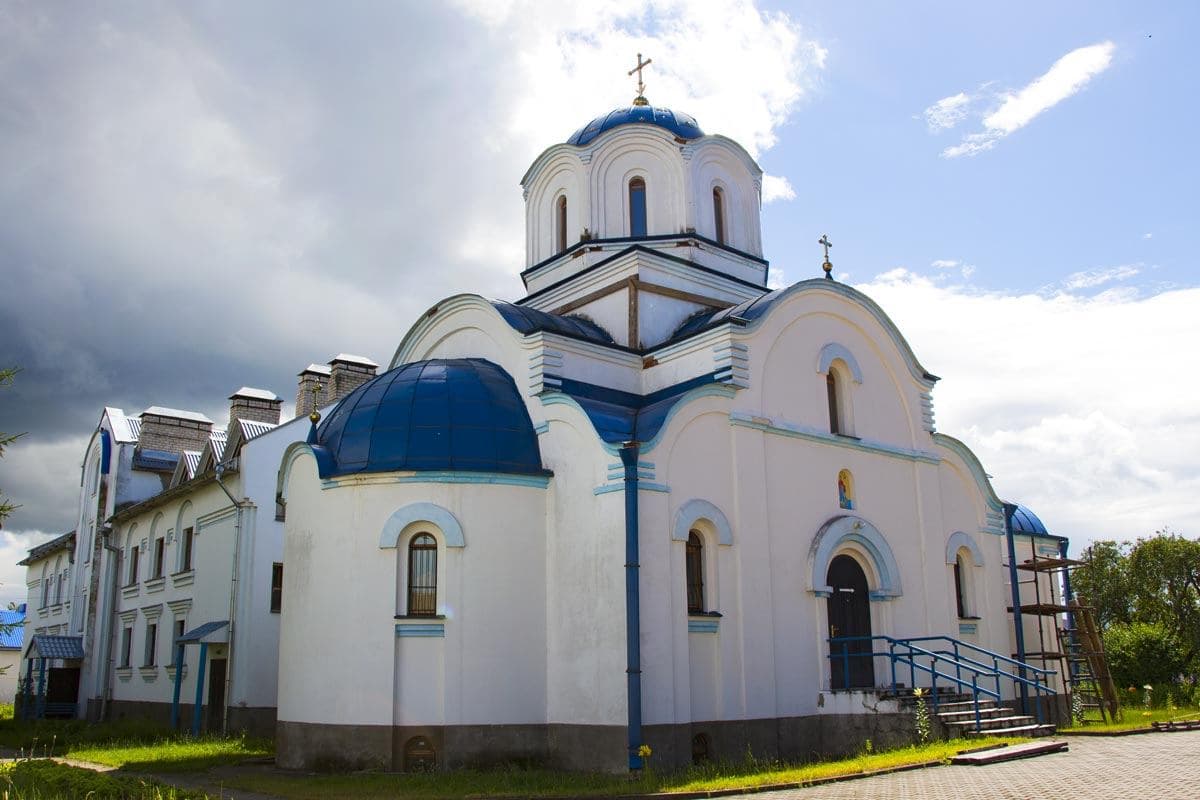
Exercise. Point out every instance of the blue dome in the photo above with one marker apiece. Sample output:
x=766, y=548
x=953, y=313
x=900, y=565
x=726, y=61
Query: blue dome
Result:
x=1027, y=522
x=682, y=125
x=461, y=414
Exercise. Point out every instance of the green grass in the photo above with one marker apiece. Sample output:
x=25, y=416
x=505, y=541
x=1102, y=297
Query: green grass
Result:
x=49, y=780
x=1137, y=717
x=178, y=754
x=543, y=783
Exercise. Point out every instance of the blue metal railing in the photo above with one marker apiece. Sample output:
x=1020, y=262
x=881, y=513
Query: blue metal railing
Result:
x=949, y=665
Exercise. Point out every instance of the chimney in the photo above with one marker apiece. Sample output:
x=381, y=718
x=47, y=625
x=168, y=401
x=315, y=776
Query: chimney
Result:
x=313, y=376
x=173, y=431
x=347, y=373
x=256, y=405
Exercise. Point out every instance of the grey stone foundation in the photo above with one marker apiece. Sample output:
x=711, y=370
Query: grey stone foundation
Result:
x=259, y=722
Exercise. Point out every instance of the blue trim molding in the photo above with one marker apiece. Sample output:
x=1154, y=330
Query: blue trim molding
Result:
x=967, y=628
x=703, y=625
x=833, y=351
x=845, y=530
x=422, y=512
x=609, y=488
x=958, y=541
x=780, y=428
x=429, y=630
x=697, y=509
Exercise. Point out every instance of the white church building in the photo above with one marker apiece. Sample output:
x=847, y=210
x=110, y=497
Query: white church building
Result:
x=635, y=505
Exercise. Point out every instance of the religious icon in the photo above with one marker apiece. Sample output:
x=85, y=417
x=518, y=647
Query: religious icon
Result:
x=845, y=489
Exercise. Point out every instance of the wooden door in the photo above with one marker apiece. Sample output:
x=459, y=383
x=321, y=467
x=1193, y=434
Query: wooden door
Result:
x=849, y=615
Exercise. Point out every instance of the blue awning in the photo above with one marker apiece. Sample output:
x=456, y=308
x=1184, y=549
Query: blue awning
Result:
x=45, y=646
x=216, y=632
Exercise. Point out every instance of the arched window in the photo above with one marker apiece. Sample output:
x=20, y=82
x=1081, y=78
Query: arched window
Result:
x=719, y=213
x=701, y=750
x=695, y=573
x=560, y=224
x=831, y=392
x=134, y=553
x=960, y=586
x=422, y=576
x=58, y=581
x=637, y=207
x=45, y=585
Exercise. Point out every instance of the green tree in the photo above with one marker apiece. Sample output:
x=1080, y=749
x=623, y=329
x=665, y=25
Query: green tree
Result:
x=1103, y=583
x=6, y=508
x=1143, y=652
x=1165, y=586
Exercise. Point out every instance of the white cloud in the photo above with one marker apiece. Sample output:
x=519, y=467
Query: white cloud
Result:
x=14, y=546
x=947, y=112
x=776, y=187
x=1097, y=277
x=968, y=270
x=944, y=263
x=1066, y=77
x=1147, y=235
x=1042, y=388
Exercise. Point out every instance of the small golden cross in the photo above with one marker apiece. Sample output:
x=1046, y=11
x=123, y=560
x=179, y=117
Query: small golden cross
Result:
x=824, y=242
x=638, y=69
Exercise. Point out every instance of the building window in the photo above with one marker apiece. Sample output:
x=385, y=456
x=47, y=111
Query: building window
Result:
x=160, y=546
x=151, y=644
x=637, y=207
x=960, y=587
x=560, y=224
x=831, y=392
x=46, y=579
x=719, y=214
x=422, y=576
x=701, y=749
x=177, y=650
x=126, y=646
x=280, y=508
x=694, y=567
x=276, y=588
x=185, y=546
x=135, y=553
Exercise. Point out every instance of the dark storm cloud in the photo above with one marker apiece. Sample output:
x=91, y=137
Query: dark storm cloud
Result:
x=198, y=198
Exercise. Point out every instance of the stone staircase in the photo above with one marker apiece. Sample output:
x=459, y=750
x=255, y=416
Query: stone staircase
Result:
x=958, y=717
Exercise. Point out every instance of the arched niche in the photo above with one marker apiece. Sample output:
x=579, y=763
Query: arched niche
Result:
x=838, y=352
x=963, y=541
x=696, y=509
x=846, y=531
x=422, y=512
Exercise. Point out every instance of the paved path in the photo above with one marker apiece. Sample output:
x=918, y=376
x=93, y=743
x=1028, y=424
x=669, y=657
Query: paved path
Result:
x=1161, y=766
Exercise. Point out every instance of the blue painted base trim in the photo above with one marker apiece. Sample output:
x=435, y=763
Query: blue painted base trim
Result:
x=745, y=420
x=703, y=625
x=967, y=627
x=432, y=630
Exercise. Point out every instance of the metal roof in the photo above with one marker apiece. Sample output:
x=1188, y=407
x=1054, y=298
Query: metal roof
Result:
x=255, y=394
x=682, y=125
x=135, y=428
x=175, y=413
x=216, y=631
x=527, y=320
x=462, y=414
x=623, y=416
x=45, y=646
x=156, y=460
x=124, y=429
x=1025, y=521
x=64, y=542
x=251, y=428
x=191, y=459
x=12, y=630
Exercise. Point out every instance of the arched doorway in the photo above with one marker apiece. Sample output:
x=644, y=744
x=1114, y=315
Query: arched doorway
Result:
x=849, y=615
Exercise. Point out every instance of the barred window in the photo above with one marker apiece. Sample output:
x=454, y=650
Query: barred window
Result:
x=422, y=576
x=695, y=573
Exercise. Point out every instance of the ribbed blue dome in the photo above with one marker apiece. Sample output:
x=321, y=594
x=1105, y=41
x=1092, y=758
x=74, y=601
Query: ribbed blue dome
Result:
x=1027, y=522
x=461, y=414
x=682, y=125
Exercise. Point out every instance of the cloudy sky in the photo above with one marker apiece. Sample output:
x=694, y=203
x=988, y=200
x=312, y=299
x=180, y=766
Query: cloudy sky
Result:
x=199, y=196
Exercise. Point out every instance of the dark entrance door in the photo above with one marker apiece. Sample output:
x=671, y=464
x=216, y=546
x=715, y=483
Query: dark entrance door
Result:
x=216, y=694
x=849, y=615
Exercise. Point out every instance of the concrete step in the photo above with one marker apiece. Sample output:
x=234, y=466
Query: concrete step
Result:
x=992, y=722
x=996, y=755
x=955, y=716
x=964, y=705
x=1034, y=730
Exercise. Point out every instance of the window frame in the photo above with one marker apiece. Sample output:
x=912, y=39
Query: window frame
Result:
x=159, y=556
x=187, y=543
x=560, y=224
x=694, y=572
x=421, y=543
x=639, y=216
x=126, y=647
x=719, y=215
x=276, y=587
x=150, y=646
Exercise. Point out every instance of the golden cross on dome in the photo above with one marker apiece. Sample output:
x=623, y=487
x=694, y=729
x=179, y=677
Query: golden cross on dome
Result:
x=315, y=416
x=824, y=242
x=640, y=100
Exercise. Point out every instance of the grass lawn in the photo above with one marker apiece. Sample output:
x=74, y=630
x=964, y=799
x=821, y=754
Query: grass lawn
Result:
x=177, y=754
x=1137, y=717
x=49, y=780
x=542, y=783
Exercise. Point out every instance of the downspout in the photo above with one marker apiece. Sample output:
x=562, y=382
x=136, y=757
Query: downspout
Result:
x=1068, y=595
x=1018, y=628
x=633, y=622
x=233, y=590
x=106, y=687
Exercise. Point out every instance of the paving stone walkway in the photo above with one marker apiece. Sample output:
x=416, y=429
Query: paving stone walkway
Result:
x=1162, y=766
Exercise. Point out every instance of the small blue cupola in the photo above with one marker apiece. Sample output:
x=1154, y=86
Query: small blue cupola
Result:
x=462, y=415
x=1025, y=522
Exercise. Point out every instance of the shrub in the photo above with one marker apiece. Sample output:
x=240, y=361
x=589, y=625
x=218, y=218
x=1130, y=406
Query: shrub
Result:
x=1141, y=653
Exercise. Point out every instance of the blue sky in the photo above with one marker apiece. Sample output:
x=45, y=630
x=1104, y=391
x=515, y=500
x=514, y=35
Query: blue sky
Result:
x=199, y=196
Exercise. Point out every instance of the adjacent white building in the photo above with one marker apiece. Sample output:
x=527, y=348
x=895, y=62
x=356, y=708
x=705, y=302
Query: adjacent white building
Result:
x=634, y=505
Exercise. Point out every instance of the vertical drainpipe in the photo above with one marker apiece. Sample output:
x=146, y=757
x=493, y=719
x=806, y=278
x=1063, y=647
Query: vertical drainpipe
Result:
x=633, y=622
x=1063, y=544
x=1018, y=628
